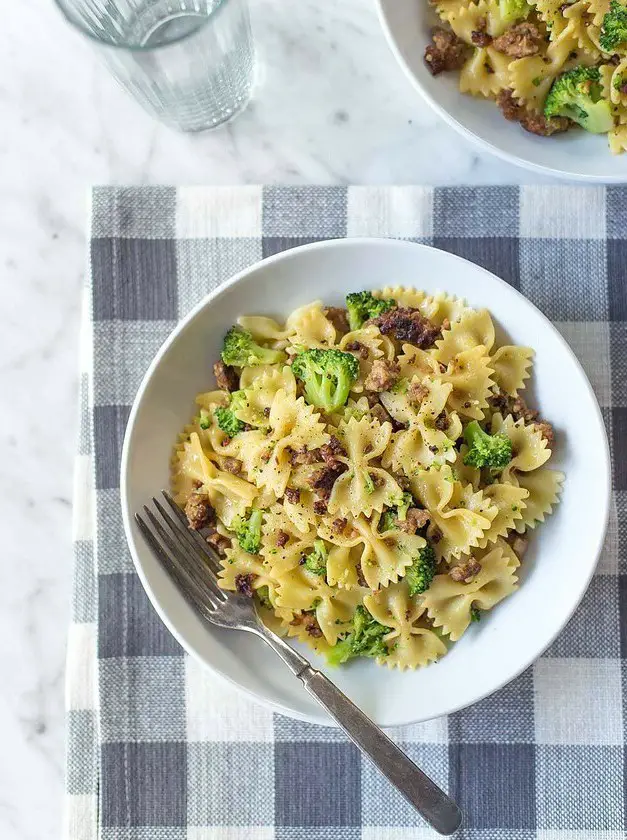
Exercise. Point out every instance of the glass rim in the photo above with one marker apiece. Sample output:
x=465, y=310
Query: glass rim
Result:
x=78, y=26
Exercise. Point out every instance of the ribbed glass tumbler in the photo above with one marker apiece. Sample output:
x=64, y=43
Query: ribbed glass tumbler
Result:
x=190, y=63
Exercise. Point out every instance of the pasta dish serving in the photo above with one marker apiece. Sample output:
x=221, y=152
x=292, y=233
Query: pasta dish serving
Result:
x=369, y=474
x=549, y=65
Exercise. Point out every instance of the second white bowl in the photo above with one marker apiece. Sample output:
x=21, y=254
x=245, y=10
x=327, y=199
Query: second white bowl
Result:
x=574, y=154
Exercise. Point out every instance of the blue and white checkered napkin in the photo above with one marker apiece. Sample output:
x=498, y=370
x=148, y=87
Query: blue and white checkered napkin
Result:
x=160, y=750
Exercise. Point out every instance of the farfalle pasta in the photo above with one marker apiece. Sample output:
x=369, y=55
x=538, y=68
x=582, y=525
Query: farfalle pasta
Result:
x=368, y=473
x=548, y=65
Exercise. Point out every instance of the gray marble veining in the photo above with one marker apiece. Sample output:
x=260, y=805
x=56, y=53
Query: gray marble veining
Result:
x=331, y=106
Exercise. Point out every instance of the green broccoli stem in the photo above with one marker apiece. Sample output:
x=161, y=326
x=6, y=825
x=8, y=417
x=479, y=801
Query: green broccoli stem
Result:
x=248, y=532
x=365, y=639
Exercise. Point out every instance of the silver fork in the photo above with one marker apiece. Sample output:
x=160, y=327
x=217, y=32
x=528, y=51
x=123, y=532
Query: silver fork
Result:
x=193, y=567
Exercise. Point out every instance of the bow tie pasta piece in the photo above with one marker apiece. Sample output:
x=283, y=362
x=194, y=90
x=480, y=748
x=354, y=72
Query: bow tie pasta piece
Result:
x=262, y=328
x=284, y=544
x=442, y=307
x=529, y=448
x=238, y=562
x=386, y=556
x=473, y=328
x=342, y=565
x=448, y=602
x=510, y=502
x=465, y=17
x=293, y=425
x=229, y=495
x=510, y=556
x=339, y=530
x=411, y=298
x=301, y=513
x=485, y=72
x=411, y=642
x=211, y=399
x=464, y=472
x=309, y=327
x=240, y=571
x=618, y=139
x=511, y=366
x=460, y=516
x=303, y=591
x=254, y=405
x=543, y=487
x=416, y=362
x=356, y=408
x=364, y=487
x=470, y=374
x=421, y=444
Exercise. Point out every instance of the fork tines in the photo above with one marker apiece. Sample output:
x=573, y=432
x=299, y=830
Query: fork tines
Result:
x=183, y=553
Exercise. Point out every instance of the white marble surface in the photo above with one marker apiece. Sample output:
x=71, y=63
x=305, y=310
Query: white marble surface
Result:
x=331, y=107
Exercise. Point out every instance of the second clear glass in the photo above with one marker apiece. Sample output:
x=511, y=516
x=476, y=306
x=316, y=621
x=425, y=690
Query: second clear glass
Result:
x=190, y=63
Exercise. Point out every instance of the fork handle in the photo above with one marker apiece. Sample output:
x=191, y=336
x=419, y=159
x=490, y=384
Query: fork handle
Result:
x=420, y=791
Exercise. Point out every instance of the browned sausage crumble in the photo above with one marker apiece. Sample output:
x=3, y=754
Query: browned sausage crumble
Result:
x=244, y=584
x=466, y=571
x=406, y=324
x=199, y=512
x=382, y=376
x=520, y=40
x=226, y=377
x=330, y=452
x=358, y=348
x=415, y=519
x=338, y=318
x=447, y=52
x=514, y=111
x=292, y=494
x=219, y=543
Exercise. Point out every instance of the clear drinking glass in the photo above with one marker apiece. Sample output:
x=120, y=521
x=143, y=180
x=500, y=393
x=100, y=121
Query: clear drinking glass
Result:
x=190, y=63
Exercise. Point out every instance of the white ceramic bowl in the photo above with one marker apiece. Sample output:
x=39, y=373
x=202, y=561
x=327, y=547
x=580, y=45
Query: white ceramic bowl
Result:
x=562, y=555
x=574, y=154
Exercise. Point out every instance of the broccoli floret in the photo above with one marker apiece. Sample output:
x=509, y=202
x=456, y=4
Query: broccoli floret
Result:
x=406, y=502
x=512, y=10
x=390, y=517
x=263, y=594
x=240, y=349
x=228, y=422
x=365, y=639
x=420, y=574
x=362, y=305
x=327, y=375
x=205, y=419
x=248, y=531
x=475, y=614
x=486, y=450
x=226, y=417
x=576, y=94
x=614, y=27
x=316, y=560
x=388, y=520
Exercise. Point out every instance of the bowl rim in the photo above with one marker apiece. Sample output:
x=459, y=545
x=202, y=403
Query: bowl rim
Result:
x=481, y=142
x=205, y=302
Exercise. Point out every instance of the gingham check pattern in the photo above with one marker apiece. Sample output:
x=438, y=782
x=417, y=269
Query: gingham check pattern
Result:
x=158, y=750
